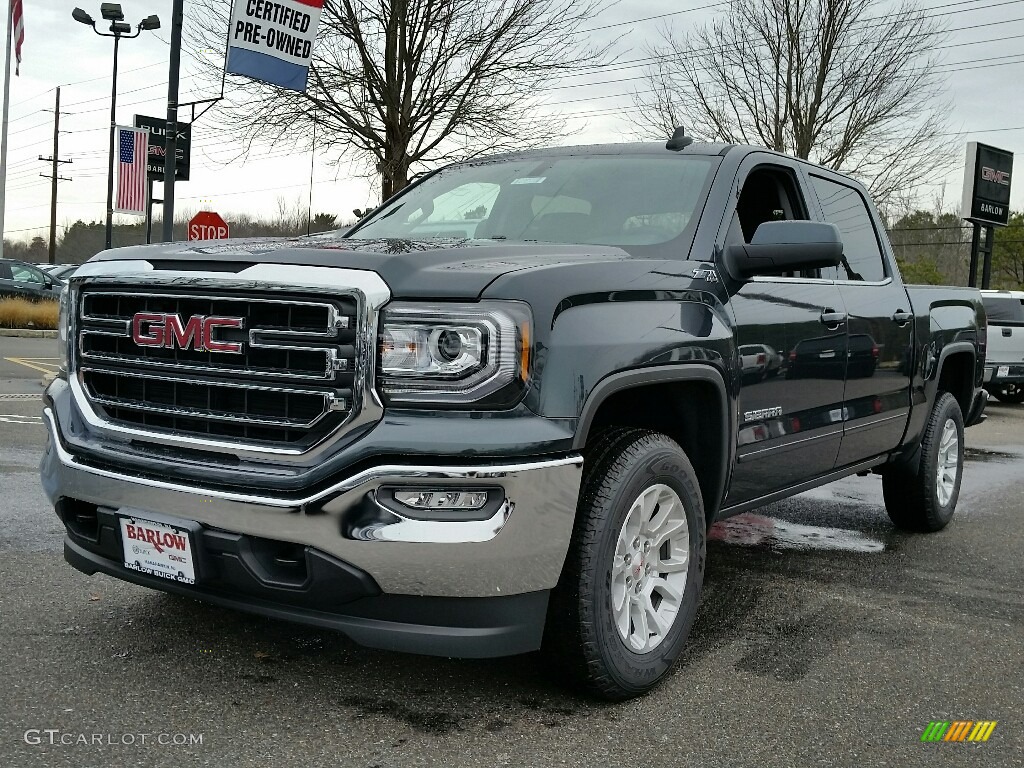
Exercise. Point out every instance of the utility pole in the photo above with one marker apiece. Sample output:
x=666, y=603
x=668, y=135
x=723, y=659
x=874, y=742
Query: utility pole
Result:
x=171, y=137
x=54, y=177
x=6, y=108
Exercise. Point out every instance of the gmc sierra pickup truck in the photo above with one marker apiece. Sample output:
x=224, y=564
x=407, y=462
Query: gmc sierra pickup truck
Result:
x=501, y=411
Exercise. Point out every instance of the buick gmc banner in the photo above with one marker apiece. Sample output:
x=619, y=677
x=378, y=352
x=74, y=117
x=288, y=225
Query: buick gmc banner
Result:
x=272, y=40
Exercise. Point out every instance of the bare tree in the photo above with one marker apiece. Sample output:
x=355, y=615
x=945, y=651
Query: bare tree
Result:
x=408, y=83
x=820, y=79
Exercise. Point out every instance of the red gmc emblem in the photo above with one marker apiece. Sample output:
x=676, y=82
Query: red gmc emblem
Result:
x=999, y=177
x=153, y=329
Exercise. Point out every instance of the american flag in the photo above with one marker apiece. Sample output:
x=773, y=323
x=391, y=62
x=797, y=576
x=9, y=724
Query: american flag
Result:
x=132, y=146
x=18, y=17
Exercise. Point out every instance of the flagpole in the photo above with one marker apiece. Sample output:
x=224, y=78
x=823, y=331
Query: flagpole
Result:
x=7, y=104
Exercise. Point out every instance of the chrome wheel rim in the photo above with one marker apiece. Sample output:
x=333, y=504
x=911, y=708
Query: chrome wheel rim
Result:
x=948, y=464
x=652, y=557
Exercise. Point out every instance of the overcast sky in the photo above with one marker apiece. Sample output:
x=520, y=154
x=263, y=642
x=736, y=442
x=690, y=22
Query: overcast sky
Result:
x=987, y=106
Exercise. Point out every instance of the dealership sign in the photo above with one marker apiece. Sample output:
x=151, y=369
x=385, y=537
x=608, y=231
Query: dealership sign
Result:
x=157, y=147
x=987, y=185
x=272, y=40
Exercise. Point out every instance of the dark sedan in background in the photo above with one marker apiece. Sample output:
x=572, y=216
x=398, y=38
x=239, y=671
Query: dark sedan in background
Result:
x=27, y=281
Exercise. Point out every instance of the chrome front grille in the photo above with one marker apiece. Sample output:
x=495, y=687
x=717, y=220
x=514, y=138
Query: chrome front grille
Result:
x=290, y=382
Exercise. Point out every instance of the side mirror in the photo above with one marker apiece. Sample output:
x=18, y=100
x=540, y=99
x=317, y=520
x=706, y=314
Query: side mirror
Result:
x=786, y=246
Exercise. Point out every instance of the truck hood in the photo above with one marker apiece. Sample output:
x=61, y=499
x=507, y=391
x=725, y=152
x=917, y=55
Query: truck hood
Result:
x=411, y=268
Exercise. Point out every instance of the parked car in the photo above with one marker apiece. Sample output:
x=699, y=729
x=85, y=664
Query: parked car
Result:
x=853, y=356
x=481, y=446
x=21, y=280
x=1004, y=366
x=759, y=361
x=60, y=271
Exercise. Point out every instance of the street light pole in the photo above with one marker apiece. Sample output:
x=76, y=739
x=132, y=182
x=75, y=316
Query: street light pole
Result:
x=171, y=134
x=110, y=165
x=118, y=28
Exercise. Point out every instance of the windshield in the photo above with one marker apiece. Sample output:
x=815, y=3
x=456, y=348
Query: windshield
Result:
x=618, y=200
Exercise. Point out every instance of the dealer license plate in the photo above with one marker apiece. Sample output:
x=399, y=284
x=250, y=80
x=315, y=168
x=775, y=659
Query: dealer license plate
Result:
x=157, y=549
x=1003, y=371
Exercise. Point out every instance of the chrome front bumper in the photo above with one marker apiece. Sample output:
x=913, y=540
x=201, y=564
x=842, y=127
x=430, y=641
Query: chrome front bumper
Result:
x=520, y=549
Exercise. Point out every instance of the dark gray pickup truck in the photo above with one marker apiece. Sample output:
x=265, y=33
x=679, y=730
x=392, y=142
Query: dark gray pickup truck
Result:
x=500, y=412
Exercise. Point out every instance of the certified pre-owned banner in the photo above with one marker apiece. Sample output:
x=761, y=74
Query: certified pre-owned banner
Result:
x=272, y=40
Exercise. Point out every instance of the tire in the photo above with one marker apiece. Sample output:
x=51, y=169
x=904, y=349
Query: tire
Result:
x=1008, y=393
x=619, y=654
x=915, y=497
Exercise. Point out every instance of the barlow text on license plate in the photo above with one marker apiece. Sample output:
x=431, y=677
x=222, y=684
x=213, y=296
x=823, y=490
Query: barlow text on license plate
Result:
x=157, y=549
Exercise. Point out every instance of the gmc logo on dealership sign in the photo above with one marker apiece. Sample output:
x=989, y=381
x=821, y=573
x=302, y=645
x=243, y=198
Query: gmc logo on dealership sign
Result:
x=998, y=177
x=152, y=329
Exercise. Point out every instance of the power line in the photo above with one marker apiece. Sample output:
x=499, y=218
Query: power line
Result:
x=863, y=23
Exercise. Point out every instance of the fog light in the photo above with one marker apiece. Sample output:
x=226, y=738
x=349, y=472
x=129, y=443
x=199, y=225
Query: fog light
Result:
x=435, y=499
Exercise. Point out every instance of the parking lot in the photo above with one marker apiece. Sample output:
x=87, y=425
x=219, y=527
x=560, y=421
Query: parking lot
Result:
x=825, y=638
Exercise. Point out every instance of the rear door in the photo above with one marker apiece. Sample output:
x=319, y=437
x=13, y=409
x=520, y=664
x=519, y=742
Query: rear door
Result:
x=879, y=355
x=790, y=412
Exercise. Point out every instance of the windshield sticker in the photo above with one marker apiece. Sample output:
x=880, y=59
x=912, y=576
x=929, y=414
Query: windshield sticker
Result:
x=530, y=180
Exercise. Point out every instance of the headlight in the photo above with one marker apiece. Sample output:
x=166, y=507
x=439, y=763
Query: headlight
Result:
x=454, y=353
x=63, y=318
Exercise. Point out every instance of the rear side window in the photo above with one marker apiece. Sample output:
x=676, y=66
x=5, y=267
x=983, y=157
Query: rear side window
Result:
x=1004, y=310
x=846, y=208
x=25, y=274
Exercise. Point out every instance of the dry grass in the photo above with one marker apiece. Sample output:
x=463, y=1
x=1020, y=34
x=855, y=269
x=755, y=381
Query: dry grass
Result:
x=22, y=313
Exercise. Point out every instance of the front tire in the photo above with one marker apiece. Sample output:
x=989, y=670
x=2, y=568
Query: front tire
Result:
x=923, y=497
x=632, y=580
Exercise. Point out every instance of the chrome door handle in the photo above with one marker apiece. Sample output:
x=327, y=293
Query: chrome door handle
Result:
x=832, y=318
x=901, y=317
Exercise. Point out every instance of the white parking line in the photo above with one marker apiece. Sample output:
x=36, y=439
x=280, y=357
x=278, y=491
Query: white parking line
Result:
x=41, y=364
x=10, y=418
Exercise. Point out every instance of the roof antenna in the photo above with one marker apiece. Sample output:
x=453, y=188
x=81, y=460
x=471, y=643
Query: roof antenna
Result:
x=679, y=140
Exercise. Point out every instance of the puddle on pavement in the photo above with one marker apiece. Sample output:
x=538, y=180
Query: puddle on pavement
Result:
x=753, y=530
x=980, y=454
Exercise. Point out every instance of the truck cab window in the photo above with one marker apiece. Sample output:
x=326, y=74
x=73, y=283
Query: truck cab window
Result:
x=769, y=193
x=845, y=207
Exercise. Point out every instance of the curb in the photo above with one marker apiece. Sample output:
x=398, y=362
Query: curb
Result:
x=29, y=333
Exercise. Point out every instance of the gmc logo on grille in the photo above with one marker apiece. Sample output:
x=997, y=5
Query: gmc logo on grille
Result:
x=151, y=329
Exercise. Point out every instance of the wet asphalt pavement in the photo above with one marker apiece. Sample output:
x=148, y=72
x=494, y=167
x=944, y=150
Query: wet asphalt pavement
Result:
x=825, y=638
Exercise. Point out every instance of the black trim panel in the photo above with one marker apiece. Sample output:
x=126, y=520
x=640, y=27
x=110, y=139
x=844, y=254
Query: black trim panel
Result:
x=793, y=490
x=466, y=627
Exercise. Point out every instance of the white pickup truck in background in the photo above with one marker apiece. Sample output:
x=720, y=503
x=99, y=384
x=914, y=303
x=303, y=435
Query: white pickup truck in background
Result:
x=1004, y=368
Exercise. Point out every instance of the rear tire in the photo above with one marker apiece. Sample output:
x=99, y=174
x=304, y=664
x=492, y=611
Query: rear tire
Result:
x=923, y=497
x=631, y=584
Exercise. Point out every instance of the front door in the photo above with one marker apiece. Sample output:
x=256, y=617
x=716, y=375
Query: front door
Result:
x=792, y=340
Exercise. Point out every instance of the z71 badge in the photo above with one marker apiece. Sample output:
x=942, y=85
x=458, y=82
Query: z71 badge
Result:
x=705, y=273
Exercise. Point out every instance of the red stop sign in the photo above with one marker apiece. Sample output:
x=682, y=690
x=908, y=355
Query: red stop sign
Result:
x=207, y=225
